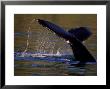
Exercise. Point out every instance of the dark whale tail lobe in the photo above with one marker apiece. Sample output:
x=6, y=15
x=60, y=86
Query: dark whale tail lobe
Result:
x=75, y=36
x=81, y=33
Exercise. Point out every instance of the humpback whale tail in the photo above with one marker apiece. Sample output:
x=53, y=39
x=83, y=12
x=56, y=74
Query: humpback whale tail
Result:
x=75, y=37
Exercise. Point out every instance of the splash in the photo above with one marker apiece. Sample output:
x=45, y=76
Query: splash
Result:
x=28, y=37
x=44, y=45
x=58, y=52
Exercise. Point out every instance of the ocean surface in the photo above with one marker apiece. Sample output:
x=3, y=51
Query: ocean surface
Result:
x=37, y=64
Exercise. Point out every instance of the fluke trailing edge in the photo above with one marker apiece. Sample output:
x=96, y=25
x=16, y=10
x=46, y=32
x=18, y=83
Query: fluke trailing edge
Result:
x=75, y=37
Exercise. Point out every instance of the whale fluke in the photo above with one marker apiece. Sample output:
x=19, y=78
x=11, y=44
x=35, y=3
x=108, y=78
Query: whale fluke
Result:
x=75, y=37
x=81, y=33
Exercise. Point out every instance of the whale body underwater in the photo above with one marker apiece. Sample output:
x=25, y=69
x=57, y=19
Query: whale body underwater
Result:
x=75, y=38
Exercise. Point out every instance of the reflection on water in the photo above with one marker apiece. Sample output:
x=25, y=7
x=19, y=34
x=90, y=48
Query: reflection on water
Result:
x=38, y=51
